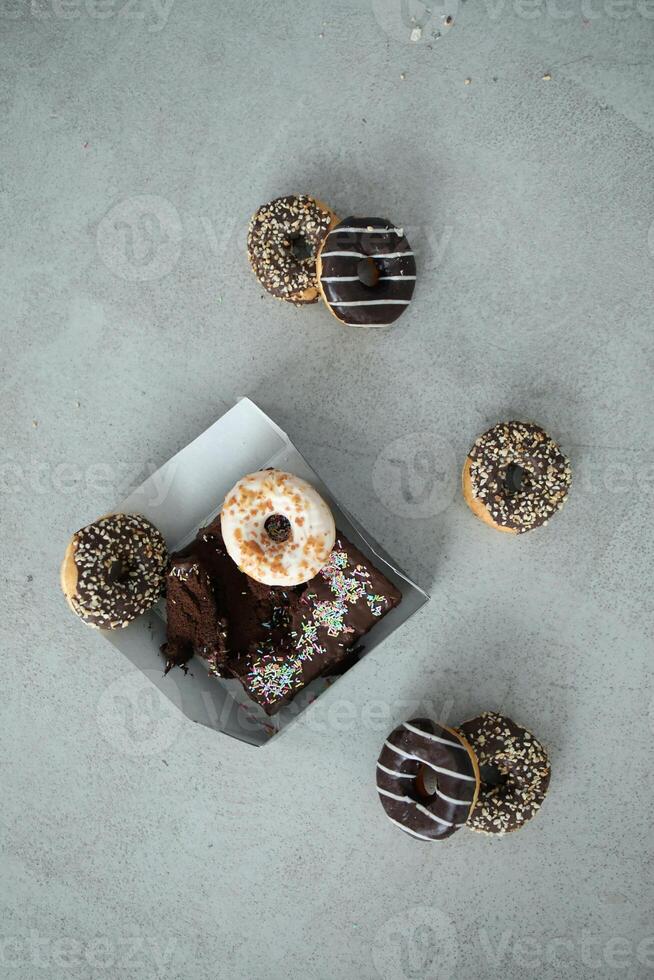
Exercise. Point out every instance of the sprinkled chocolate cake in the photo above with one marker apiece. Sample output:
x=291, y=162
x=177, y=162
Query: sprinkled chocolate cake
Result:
x=274, y=640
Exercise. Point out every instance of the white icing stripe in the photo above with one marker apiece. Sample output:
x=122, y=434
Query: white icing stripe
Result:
x=433, y=738
x=428, y=813
x=450, y=799
x=375, y=302
x=407, y=830
x=445, y=772
x=394, y=796
x=408, y=775
x=370, y=231
x=356, y=279
x=418, y=806
x=359, y=255
x=394, y=772
x=362, y=255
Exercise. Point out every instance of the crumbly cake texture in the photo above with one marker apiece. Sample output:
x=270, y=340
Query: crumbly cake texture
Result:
x=272, y=232
x=274, y=640
x=194, y=622
x=515, y=773
x=120, y=564
x=545, y=475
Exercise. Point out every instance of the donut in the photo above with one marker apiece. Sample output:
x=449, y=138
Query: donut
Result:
x=411, y=751
x=114, y=570
x=283, y=240
x=366, y=272
x=515, y=477
x=515, y=773
x=277, y=528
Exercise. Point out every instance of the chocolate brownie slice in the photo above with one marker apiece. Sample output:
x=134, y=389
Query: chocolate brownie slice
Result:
x=274, y=640
x=247, y=613
x=335, y=609
x=194, y=625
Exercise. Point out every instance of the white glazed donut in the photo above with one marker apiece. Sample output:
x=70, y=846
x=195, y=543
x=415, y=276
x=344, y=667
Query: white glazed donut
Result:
x=277, y=528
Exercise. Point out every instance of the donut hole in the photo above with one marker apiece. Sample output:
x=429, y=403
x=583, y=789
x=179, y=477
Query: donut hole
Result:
x=278, y=528
x=368, y=272
x=118, y=571
x=514, y=478
x=491, y=776
x=425, y=784
x=301, y=249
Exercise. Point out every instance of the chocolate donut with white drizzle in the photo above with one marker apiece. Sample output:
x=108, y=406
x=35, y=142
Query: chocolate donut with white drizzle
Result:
x=366, y=272
x=411, y=751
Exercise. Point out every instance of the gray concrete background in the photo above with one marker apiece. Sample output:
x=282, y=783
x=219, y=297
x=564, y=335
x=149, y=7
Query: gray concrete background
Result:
x=137, y=844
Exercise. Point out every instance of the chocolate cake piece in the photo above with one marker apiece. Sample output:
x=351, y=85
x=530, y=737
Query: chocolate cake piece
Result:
x=335, y=610
x=194, y=625
x=274, y=640
x=247, y=613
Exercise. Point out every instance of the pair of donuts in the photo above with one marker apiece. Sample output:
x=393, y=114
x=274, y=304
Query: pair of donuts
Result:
x=489, y=774
x=276, y=527
x=363, y=268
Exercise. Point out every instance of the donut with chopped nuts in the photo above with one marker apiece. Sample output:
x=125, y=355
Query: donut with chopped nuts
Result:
x=114, y=570
x=366, y=272
x=283, y=241
x=277, y=528
x=514, y=770
x=515, y=478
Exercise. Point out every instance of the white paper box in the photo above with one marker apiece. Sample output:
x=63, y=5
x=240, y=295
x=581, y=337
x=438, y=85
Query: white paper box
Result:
x=185, y=494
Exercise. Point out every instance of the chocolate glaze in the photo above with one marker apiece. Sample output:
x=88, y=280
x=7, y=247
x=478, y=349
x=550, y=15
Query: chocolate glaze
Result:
x=352, y=240
x=515, y=773
x=274, y=640
x=121, y=569
x=407, y=749
x=519, y=474
x=275, y=235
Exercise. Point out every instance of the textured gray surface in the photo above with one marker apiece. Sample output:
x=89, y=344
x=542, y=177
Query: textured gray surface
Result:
x=152, y=846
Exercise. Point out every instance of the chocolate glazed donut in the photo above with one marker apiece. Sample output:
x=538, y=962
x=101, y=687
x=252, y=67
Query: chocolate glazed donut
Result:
x=366, y=272
x=409, y=751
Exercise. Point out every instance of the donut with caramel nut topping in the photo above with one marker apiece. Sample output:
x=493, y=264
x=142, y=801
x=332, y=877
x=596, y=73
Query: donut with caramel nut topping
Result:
x=277, y=528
